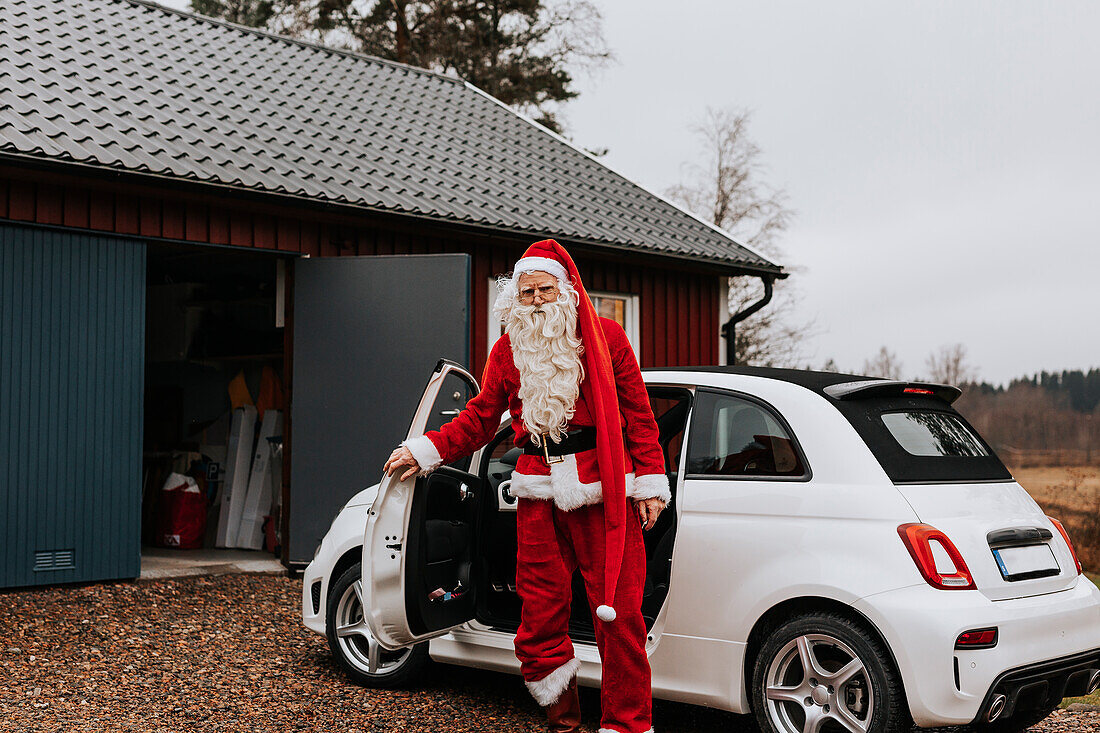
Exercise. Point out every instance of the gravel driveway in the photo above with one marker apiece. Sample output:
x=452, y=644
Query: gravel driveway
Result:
x=229, y=653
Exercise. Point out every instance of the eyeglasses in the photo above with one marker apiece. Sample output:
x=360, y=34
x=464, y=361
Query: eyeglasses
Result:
x=546, y=292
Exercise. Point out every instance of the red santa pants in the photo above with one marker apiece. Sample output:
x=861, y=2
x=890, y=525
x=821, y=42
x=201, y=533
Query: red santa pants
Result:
x=552, y=544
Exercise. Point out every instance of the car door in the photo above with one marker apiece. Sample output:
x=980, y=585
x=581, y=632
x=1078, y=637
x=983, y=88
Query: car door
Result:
x=419, y=549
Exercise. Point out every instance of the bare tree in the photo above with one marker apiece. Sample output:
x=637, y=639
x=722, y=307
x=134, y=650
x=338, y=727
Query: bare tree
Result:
x=726, y=189
x=949, y=365
x=884, y=364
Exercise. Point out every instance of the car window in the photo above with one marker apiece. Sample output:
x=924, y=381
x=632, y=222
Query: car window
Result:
x=733, y=436
x=453, y=395
x=670, y=408
x=932, y=434
x=920, y=439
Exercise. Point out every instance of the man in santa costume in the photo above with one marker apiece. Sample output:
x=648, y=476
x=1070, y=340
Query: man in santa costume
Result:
x=591, y=477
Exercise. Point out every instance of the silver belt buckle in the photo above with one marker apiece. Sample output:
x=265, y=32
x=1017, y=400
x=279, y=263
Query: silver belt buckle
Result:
x=546, y=452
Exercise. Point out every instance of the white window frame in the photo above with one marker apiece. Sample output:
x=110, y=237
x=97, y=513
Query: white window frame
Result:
x=631, y=313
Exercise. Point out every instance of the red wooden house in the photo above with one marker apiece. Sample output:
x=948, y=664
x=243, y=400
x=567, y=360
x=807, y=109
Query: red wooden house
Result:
x=165, y=182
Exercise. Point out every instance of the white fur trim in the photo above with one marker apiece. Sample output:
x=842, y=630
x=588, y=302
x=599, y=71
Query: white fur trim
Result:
x=547, y=690
x=425, y=453
x=606, y=613
x=651, y=486
x=563, y=486
x=541, y=264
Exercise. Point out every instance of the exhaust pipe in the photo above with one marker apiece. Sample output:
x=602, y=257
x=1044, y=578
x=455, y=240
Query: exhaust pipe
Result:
x=1094, y=683
x=995, y=708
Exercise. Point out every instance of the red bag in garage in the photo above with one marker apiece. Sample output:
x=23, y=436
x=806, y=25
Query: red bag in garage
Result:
x=182, y=515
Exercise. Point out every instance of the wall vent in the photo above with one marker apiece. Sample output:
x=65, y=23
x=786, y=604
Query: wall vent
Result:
x=54, y=560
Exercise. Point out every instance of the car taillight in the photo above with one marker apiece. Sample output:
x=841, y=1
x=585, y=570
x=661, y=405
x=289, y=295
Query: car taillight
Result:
x=916, y=390
x=919, y=540
x=1065, y=536
x=977, y=639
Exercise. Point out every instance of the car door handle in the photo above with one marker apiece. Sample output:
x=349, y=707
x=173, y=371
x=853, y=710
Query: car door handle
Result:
x=448, y=412
x=506, y=492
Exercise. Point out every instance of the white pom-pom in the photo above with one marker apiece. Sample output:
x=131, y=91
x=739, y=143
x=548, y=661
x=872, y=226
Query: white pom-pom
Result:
x=605, y=613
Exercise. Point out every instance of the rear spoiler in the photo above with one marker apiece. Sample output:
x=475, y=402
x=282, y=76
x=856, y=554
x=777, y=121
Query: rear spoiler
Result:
x=891, y=388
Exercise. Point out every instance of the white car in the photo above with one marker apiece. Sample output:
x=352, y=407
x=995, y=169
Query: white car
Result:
x=840, y=553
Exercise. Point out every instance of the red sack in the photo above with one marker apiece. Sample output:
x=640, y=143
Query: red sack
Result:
x=182, y=515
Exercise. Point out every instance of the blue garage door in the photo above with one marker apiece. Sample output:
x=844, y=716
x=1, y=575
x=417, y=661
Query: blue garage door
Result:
x=72, y=319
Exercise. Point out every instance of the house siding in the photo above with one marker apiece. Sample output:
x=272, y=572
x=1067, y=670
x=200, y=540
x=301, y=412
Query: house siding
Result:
x=678, y=304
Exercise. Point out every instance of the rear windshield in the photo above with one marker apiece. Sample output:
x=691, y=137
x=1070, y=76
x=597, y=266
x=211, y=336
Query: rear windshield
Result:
x=921, y=439
x=932, y=434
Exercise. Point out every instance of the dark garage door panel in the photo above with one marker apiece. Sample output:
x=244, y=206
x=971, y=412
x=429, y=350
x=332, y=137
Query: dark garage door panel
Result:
x=72, y=320
x=367, y=333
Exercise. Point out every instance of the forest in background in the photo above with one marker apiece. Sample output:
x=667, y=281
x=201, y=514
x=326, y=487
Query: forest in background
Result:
x=1049, y=419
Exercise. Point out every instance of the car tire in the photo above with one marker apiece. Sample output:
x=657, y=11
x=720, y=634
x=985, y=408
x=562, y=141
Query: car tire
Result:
x=824, y=672
x=353, y=646
x=1018, y=722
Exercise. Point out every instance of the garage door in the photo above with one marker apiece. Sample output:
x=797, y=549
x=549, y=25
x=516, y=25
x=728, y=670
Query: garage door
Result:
x=367, y=333
x=72, y=314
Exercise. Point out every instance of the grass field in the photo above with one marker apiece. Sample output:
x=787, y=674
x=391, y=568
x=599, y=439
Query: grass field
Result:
x=1070, y=494
x=1094, y=698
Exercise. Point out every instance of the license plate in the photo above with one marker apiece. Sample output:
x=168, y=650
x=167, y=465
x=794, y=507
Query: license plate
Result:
x=1022, y=563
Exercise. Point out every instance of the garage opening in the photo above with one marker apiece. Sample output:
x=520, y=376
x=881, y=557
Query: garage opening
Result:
x=214, y=407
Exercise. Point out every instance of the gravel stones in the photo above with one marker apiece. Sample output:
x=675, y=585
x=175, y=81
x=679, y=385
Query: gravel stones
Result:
x=229, y=653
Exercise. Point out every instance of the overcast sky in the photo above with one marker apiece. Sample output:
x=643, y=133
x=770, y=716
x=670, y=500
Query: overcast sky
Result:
x=943, y=159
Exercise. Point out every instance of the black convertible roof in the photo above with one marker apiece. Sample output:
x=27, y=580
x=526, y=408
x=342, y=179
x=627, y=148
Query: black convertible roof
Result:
x=816, y=381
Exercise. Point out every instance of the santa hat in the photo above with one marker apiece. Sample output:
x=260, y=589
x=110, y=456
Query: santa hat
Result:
x=603, y=402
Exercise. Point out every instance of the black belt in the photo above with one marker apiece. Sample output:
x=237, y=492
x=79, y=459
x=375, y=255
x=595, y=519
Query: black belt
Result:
x=576, y=441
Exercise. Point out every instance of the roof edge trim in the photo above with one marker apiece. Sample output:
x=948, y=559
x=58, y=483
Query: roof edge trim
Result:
x=730, y=268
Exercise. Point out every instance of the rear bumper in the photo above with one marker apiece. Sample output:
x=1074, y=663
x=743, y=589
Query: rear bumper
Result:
x=1041, y=685
x=945, y=686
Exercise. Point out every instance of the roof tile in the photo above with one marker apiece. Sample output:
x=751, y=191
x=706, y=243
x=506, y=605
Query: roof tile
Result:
x=128, y=85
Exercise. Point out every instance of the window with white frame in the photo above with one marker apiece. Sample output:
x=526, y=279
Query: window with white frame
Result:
x=619, y=307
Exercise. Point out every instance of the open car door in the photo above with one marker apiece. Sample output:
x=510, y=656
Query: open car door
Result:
x=419, y=546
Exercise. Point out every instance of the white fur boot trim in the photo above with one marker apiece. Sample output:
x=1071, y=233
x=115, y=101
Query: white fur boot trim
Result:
x=425, y=453
x=547, y=690
x=650, y=486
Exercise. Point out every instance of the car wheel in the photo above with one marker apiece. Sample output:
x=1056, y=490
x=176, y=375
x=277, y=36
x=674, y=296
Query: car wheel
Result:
x=1019, y=721
x=822, y=673
x=355, y=649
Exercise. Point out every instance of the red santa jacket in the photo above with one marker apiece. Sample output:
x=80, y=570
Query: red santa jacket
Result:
x=575, y=481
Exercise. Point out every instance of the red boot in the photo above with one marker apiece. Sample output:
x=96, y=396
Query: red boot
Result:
x=564, y=716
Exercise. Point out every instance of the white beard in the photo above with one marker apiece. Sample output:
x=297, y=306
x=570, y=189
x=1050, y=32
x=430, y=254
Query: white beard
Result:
x=547, y=352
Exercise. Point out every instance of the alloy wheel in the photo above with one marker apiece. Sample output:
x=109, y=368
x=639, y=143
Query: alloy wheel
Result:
x=357, y=645
x=815, y=683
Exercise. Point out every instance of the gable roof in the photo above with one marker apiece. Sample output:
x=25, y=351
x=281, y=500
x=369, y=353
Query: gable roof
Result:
x=132, y=86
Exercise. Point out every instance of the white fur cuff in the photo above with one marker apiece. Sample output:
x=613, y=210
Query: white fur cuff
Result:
x=547, y=690
x=425, y=453
x=651, y=486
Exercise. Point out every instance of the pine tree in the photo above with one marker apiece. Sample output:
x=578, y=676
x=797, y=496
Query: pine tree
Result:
x=255, y=13
x=523, y=52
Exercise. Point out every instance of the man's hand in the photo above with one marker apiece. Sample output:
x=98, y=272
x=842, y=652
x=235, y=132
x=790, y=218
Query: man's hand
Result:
x=401, y=456
x=648, y=510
